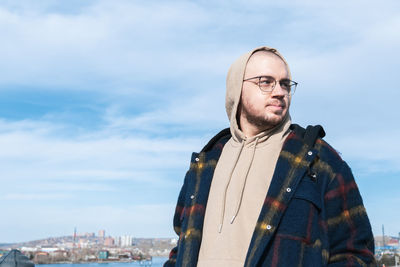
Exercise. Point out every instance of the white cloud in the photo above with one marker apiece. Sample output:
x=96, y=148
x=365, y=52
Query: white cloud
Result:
x=109, y=44
x=374, y=151
x=198, y=113
x=89, y=155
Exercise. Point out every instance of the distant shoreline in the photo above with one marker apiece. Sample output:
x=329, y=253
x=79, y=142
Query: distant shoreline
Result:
x=105, y=262
x=89, y=262
x=156, y=262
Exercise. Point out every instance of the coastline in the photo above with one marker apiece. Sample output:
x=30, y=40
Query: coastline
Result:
x=97, y=262
x=154, y=262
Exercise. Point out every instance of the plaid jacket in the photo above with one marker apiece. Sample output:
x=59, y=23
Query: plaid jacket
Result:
x=313, y=213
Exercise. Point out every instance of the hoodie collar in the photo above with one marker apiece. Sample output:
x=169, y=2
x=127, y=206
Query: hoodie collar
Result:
x=238, y=136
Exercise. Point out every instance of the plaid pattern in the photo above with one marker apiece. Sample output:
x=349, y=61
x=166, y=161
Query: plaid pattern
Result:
x=313, y=213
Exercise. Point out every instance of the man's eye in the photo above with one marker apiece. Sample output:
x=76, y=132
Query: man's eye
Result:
x=266, y=81
x=285, y=84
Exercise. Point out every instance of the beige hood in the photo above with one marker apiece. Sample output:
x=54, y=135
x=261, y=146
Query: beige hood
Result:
x=234, y=82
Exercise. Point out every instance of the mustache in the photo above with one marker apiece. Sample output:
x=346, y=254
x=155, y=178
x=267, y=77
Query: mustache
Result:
x=276, y=103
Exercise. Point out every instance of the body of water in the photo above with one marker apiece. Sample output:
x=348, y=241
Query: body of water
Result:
x=157, y=262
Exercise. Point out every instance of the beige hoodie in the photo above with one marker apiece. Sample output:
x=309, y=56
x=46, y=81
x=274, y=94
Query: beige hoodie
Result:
x=240, y=182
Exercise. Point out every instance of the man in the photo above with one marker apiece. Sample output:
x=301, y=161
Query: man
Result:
x=265, y=193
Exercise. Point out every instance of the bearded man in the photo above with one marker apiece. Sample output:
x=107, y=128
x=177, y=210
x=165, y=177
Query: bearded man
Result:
x=265, y=192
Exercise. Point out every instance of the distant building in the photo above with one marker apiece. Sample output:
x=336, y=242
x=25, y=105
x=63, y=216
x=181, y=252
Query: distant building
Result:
x=102, y=233
x=30, y=249
x=85, y=234
x=389, y=241
x=83, y=243
x=394, y=242
x=117, y=241
x=69, y=245
x=126, y=241
x=103, y=254
x=59, y=255
x=109, y=242
x=41, y=257
x=49, y=249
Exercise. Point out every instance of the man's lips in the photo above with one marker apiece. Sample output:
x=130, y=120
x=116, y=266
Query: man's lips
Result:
x=276, y=105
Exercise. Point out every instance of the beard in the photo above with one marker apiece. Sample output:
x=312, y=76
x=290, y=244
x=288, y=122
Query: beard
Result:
x=263, y=121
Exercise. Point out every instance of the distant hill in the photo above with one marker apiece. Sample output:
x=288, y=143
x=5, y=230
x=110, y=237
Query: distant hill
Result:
x=33, y=243
x=91, y=240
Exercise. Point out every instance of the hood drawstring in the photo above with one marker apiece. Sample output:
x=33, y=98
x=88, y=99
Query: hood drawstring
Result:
x=242, y=186
x=244, y=182
x=226, y=188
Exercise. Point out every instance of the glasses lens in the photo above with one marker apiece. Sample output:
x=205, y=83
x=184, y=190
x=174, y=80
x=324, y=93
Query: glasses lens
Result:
x=266, y=83
x=288, y=85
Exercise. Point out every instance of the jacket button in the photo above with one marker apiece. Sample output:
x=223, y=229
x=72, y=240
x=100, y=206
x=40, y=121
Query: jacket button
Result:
x=309, y=153
x=288, y=189
x=269, y=227
x=192, y=196
x=196, y=159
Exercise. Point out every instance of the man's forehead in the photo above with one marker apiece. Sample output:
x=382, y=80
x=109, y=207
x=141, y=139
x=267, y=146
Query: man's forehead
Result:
x=257, y=59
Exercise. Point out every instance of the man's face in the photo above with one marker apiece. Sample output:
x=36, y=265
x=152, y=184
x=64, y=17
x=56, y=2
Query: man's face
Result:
x=260, y=109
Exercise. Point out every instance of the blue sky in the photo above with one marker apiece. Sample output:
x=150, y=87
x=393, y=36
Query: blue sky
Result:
x=102, y=102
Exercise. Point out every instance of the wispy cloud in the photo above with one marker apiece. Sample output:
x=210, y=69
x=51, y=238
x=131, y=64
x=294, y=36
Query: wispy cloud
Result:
x=30, y=197
x=89, y=155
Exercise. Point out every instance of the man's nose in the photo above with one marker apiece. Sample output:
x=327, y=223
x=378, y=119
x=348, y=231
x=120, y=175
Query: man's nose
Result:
x=278, y=91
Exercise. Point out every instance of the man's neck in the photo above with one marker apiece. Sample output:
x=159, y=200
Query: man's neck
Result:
x=251, y=130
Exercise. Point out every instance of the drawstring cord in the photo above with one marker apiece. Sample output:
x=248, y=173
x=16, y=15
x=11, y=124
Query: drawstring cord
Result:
x=244, y=183
x=226, y=188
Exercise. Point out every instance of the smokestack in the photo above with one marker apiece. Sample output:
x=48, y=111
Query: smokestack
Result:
x=383, y=235
x=74, y=237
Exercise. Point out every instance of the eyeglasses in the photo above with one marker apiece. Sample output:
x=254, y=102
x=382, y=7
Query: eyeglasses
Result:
x=267, y=84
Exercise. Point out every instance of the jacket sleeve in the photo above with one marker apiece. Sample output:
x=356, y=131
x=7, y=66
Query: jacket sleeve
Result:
x=177, y=225
x=349, y=230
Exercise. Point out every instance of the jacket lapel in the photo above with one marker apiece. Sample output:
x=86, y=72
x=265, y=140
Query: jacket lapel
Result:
x=292, y=164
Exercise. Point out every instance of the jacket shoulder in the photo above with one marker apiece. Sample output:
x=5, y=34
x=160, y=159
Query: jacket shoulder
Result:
x=219, y=139
x=312, y=136
x=326, y=150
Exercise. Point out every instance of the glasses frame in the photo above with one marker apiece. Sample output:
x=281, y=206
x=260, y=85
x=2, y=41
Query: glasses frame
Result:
x=293, y=84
